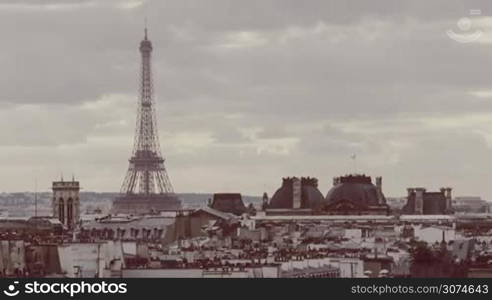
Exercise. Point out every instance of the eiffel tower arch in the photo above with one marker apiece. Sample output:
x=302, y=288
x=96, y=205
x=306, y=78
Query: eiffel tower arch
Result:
x=146, y=187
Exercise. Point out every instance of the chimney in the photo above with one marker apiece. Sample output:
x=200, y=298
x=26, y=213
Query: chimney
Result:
x=410, y=192
x=419, y=201
x=264, y=204
x=449, y=198
x=265, y=197
x=379, y=189
x=296, y=192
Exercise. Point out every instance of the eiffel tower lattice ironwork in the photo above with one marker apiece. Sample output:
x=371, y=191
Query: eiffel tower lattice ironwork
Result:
x=146, y=175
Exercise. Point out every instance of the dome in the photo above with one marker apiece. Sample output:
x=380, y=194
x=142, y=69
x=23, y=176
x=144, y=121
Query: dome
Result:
x=357, y=189
x=311, y=197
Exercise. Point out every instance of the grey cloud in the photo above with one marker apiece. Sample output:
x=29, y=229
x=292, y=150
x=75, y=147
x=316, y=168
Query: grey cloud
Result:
x=248, y=92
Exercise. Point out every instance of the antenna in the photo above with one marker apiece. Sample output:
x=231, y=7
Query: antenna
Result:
x=145, y=21
x=36, y=197
x=36, y=202
x=354, y=159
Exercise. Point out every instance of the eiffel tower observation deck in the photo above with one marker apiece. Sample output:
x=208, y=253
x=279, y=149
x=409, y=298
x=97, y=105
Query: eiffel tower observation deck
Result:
x=146, y=187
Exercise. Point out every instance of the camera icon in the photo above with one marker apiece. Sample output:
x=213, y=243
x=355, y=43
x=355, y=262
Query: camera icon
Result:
x=465, y=25
x=11, y=290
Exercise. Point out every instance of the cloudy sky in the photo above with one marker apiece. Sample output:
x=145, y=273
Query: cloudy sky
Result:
x=250, y=91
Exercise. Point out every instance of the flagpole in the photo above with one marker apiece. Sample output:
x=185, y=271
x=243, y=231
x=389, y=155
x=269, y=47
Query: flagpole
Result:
x=354, y=158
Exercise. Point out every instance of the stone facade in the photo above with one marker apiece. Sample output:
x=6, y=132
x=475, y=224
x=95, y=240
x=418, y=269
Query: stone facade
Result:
x=422, y=202
x=66, y=202
x=137, y=204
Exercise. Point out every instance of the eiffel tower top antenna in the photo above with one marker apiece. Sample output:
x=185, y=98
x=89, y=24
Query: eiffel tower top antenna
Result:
x=145, y=28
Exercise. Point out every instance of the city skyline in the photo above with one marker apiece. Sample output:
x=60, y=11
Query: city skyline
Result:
x=243, y=101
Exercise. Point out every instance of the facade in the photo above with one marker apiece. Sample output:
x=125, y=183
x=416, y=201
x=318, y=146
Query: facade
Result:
x=12, y=258
x=356, y=195
x=204, y=219
x=471, y=205
x=163, y=229
x=66, y=202
x=145, y=204
x=128, y=228
x=42, y=226
x=421, y=202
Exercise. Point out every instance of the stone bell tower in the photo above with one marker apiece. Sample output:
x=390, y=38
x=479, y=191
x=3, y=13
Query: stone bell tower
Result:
x=66, y=203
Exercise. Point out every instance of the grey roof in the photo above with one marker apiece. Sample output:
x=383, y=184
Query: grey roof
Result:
x=148, y=222
x=358, y=189
x=311, y=197
x=229, y=202
x=217, y=213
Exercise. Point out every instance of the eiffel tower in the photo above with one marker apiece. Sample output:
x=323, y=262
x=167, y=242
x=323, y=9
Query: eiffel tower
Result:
x=146, y=187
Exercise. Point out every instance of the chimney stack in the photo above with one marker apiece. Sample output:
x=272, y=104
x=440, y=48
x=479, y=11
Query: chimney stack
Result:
x=296, y=192
x=419, y=201
x=379, y=189
x=410, y=192
x=265, y=201
x=449, y=198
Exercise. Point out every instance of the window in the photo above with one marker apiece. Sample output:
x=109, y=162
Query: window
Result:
x=70, y=212
x=61, y=210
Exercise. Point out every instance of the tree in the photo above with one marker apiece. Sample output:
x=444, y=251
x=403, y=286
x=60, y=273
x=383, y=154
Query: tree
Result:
x=421, y=253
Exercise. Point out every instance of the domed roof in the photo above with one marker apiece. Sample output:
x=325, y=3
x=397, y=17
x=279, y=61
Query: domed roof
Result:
x=311, y=197
x=355, y=188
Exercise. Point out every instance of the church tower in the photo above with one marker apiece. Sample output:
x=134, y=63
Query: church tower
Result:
x=66, y=203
